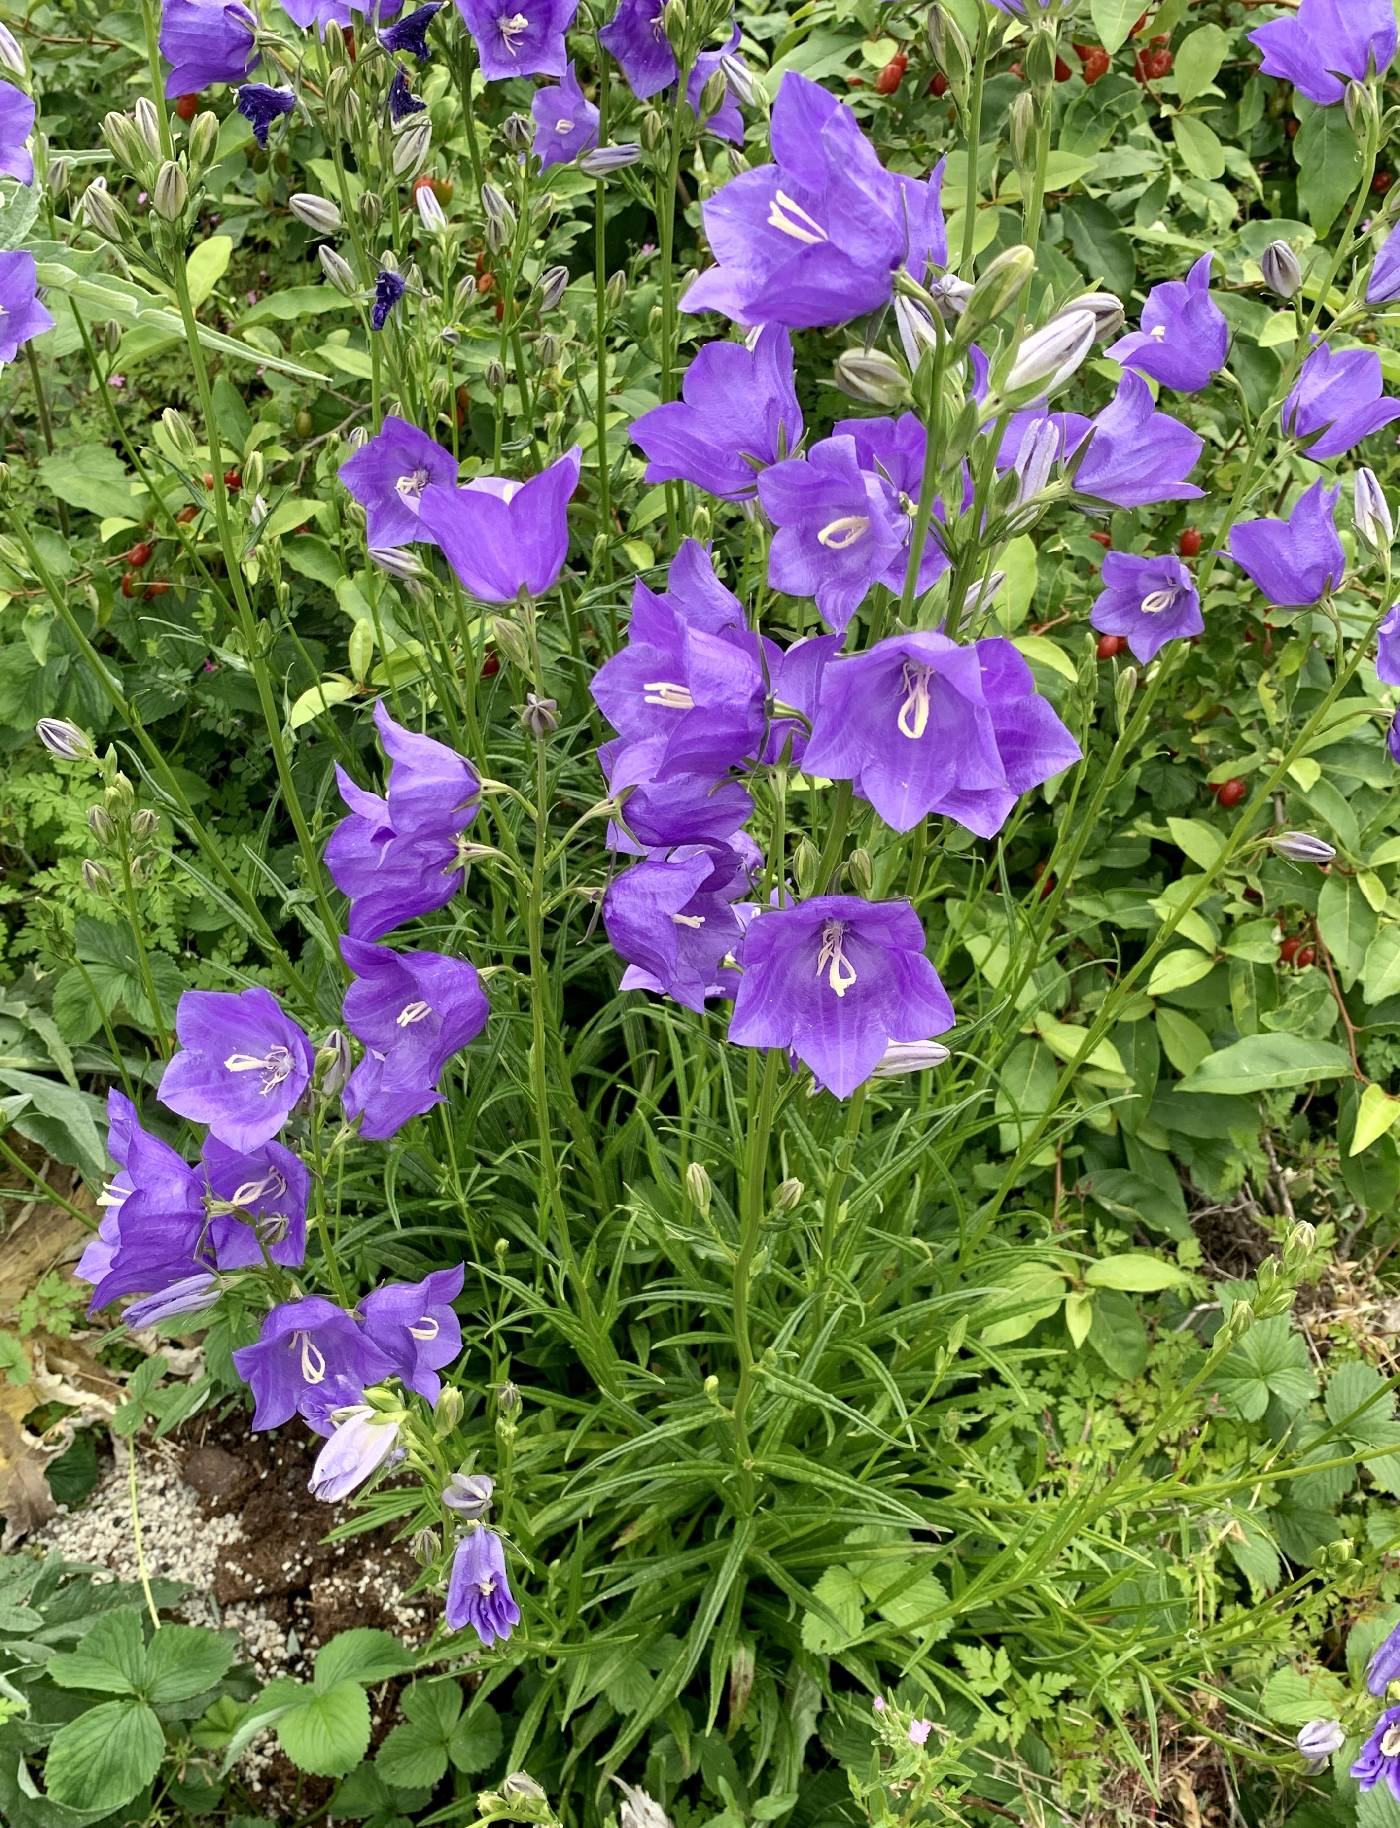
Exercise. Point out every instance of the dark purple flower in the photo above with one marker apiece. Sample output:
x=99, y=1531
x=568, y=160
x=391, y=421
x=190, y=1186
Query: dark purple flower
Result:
x=153, y=1219
x=726, y=123
x=835, y=980
x=1326, y=43
x=1295, y=562
x=1337, y=401
x=16, y=125
x=664, y=809
x=636, y=38
x=478, y=1592
x=1380, y=1756
x=1384, y=1666
x=839, y=528
x=206, y=42
x=1150, y=600
x=260, y=105
x=921, y=724
x=411, y=32
x=1184, y=338
x=402, y=103
x=362, y=1441
x=503, y=538
x=389, y=288
x=415, y=1326
x=388, y=475
x=22, y=317
x=1383, y=287
x=243, y=1063
x=519, y=37
x=310, y=1358
x=737, y=414
x=566, y=122
x=1388, y=655
x=396, y=857
x=672, y=920
x=412, y=1011
x=1138, y=456
x=268, y=1190
x=817, y=236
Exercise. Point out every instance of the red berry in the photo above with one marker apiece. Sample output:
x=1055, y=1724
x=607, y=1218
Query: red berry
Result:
x=186, y=515
x=139, y=554
x=1290, y=127
x=1306, y=957
x=1084, y=51
x=350, y=43
x=129, y=583
x=1017, y=70
x=1231, y=792
x=1062, y=71
x=1111, y=645
x=939, y=85
x=1381, y=183
x=490, y=666
x=462, y=406
x=156, y=588
x=1189, y=544
x=1103, y=539
x=1159, y=64
x=1096, y=64
x=187, y=107
x=233, y=481
x=1047, y=885
x=1141, y=22
x=890, y=77
x=1288, y=949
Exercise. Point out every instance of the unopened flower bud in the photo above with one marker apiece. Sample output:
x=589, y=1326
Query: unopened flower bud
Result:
x=713, y=94
x=949, y=47
x=872, y=377
x=998, y=287
x=1360, y=106
x=553, y=284
x=370, y=207
x=605, y=159
x=699, y=1187
x=788, y=1195
x=202, y=140
x=508, y=1402
x=508, y=639
x=903, y=1057
x=333, y=1063
x=102, y=212
x=171, y=192
x=125, y=141
x=447, y=1410
x=412, y=144
x=424, y=1545
x=11, y=56
x=61, y=738
x=1371, y=513
x=520, y=1787
x=95, y=876
x=740, y=79
x=496, y=205
x=860, y=867
x=496, y=375
x=57, y=177
x=539, y=716
x=517, y=130
x=1049, y=356
x=1036, y=458
x=1300, y=1243
x=318, y=213
x=144, y=826
x=1281, y=269
x=469, y=1495
x=147, y=123
x=1318, y=1740
x=100, y=825
x=1302, y=847
x=398, y=561
x=337, y=270
x=806, y=860
x=1022, y=120
x=980, y=596
x=177, y=430
x=1107, y=310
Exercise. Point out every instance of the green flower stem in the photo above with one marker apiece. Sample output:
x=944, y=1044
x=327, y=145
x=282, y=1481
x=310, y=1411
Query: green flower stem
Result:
x=973, y=125
x=600, y=338
x=753, y=1209
x=40, y=1185
x=143, y=960
x=41, y=413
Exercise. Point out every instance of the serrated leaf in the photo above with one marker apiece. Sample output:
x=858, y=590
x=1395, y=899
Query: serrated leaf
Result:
x=326, y=1732
x=840, y=1592
x=105, y=1757
x=111, y=1657
x=412, y=1755
x=475, y=1743
x=1271, y=1360
x=361, y=1655
x=183, y=1661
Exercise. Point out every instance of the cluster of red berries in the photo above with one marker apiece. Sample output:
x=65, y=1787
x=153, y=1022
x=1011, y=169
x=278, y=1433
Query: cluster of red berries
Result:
x=1294, y=950
x=136, y=557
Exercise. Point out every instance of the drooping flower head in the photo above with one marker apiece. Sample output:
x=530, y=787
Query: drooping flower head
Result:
x=838, y=528
x=1184, y=338
x=416, y=1327
x=518, y=37
x=412, y=1011
x=16, y=125
x=310, y=1359
x=243, y=1063
x=478, y=1590
x=503, y=537
x=1294, y=562
x=388, y=475
x=923, y=725
x=1326, y=43
x=636, y=38
x=153, y=1214
x=261, y=105
x=663, y=808
x=389, y=288
x=402, y=100
x=726, y=123
x=1137, y=456
x=396, y=856
x=22, y=317
x=1149, y=600
x=672, y=919
x=566, y=122
x=835, y=980
x=1337, y=401
x=410, y=34
x=1384, y=1666
x=363, y=1439
x=206, y=42
x=1380, y=1756
x=258, y=1202
x=737, y=414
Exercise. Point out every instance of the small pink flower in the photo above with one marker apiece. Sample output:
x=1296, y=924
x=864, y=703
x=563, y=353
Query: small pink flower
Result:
x=919, y=1731
x=878, y=1704
x=116, y=380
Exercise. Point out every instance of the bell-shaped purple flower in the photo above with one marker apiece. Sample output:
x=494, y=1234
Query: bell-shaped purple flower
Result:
x=1388, y=672
x=1327, y=43
x=663, y=809
x=478, y=1591
x=410, y=34
x=894, y=450
x=206, y=42
x=566, y=122
x=839, y=528
x=388, y=475
x=1337, y=401
x=363, y=1440
x=260, y=105
x=389, y=288
x=1383, y=287
x=311, y=1357
x=415, y=1326
x=1384, y=1666
x=396, y=857
x=1138, y=456
x=1380, y=1756
x=412, y=1011
x=817, y=236
x=1183, y=339
x=16, y=125
x=1149, y=600
x=503, y=538
x=243, y=1063
x=673, y=921
x=737, y=414
x=726, y=123
x=403, y=102
x=1392, y=739
x=795, y=680
x=518, y=37
x=636, y=39
x=268, y=1190
x=153, y=1218
x=22, y=317
x=1294, y=562
x=921, y=724
x=835, y=980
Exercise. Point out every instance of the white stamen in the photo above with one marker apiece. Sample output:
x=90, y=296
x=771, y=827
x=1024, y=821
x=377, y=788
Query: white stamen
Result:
x=252, y=1191
x=839, y=535
x=667, y=694
x=1158, y=333
x=1390, y=1741
x=274, y=1065
x=427, y=1328
x=796, y=223
x=511, y=26
x=111, y=1196
x=412, y=1012
x=913, y=713
x=562, y=126
x=410, y=488
x=689, y=920
x=840, y=972
x=313, y=1363
x=1156, y=601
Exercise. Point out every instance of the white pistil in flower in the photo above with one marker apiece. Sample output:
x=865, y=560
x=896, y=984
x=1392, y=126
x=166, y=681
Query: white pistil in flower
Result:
x=841, y=534
x=313, y=1362
x=412, y=1012
x=250, y=1192
x=486, y=1586
x=913, y=713
x=274, y=1066
x=667, y=694
x=563, y=126
x=840, y=972
x=512, y=26
x=410, y=488
x=791, y=219
x=689, y=920
x=1390, y=1741
x=1156, y=601
x=427, y=1328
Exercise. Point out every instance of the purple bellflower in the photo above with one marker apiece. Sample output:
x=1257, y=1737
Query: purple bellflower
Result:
x=1384, y=1666
x=153, y=1214
x=1380, y=1756
x=1337, y=401
x=519, y=37
x=402, y=100
x=412, y=1011
x=389, y=288
x=396, y=857
x=737, y=415
x=22, y=317
x=1383, y=287
x=503, y=538
x=320, y=14
x=243, y=1063
x=1294, y=562
x=478, y=1591
x=16, y=125
x=921, y=724
x=835, y=980
x=1149, y=600
x=1388, y=672
x=566, y=122
x=363, y=1440
x=894, y=450
x=665, y=809
x=258, y=1202
x=726, y=123
x=310, y=1359
x=674, y=922
x=1392, y=739
x=795, y=679
x=261, y=105
x=636, y=39
x=817, y=236
x=1184, y=338
x=839, y=528
x=410, y=34
x=1138, y=456
x=206, y=42
x=1326, y=43
x=182, y=1299
x=388, y=475
x=416, y=1327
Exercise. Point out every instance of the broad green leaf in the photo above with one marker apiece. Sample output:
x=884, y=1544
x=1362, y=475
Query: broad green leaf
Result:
x=1381, y=973
x=326, y=1732
x=183, y=1661
x=1266, y=1063
x=1065, y=1039
x=1375, y=1115
x=1271, y=1360
x=840, y=1593
x=1029, y=1294
x=1079, y=1316
x=206, y=266
x=1329, y=163
x=111, y=1656
x=1135, y=1273
x=361, y=1655
x=1184, y=1042
x=1198, y=61
x=1176, y=970
x=1254, y=1553
x=90, y=477
x=1199, y=146
x=476, y=1739
x=104, y=1757
x=1347, y=923
x=1117, y=1334
x=412, y=1755
x=1113, y=20
x=1041, y=649
x=316, y=700
x=1201, y=842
